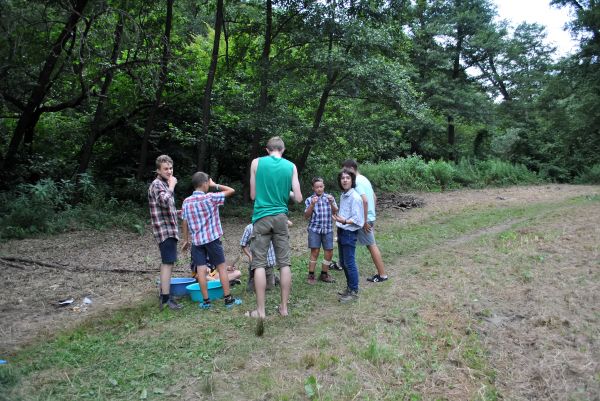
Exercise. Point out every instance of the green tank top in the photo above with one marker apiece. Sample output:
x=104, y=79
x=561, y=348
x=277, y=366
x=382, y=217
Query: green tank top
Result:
x=273, y=185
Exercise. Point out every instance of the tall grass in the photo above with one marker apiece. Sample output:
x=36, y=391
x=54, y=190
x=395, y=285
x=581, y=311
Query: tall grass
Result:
x=414, y=173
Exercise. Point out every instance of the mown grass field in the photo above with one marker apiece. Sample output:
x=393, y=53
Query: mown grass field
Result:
x=484, y=303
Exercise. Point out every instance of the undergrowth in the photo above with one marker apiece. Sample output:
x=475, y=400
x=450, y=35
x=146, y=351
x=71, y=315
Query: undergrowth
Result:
x=49, y=207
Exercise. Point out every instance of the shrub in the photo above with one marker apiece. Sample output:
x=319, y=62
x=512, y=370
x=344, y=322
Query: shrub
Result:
x=50, y=207
x=590, y=176
x=442, y=171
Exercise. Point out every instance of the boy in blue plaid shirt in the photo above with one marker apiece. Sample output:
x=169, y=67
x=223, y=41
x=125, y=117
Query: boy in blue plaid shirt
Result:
x=320, y=208
x=202, y=232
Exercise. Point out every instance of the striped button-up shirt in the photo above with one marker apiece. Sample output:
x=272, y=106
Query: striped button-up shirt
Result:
x=163, y=214
x=247, y=238
x=321, y=221
x=201, y=213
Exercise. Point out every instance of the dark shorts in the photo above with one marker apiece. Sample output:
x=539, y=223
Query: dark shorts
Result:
x=267, y=229
x=365, y=238
x=168, y=251
x=316, y=240
x=212, y=251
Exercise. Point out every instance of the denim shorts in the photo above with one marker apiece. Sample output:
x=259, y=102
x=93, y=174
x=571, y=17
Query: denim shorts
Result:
x=316, y=240
x=168, y=251
x=213, y=252
x=365, y=238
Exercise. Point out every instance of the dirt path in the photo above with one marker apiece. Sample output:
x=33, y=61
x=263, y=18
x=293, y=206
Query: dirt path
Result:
x=542, y=314
x=538, y=321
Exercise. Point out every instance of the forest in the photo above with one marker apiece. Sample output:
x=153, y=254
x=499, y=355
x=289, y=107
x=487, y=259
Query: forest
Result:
x=91, y=92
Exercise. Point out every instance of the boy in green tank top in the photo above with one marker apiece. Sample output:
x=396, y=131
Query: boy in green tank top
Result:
x=273, y=180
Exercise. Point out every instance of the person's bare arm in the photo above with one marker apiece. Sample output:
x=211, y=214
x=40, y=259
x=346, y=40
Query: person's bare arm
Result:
x=246, y=250
x=253, y=168
x=311, y=207
x=334, y=208
x=365, y=202
x=186, y=236
x=227, y=191
x=296, y=186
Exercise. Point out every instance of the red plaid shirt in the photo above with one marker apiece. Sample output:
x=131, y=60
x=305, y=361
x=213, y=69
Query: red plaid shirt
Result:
x=201, y=212
x=162, y=210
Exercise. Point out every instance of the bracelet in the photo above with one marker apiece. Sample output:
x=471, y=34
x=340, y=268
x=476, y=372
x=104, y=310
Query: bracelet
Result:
x=345, y=221
x=217, y=185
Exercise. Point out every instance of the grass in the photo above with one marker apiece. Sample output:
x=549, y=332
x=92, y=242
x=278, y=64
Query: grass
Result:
x=385, y=347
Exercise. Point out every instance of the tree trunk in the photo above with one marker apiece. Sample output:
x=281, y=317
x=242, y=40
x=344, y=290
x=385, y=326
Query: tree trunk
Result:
x=332, y=76
x=162, y=79
x=263, y=99
x=206, y=102
x=455, y=75
x=31, y=112
x=315, y=128
x=85, y=154
x=451, y=138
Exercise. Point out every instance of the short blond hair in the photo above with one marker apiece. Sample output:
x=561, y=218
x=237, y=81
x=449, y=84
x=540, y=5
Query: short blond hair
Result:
x=160, y=160
x=275, y=143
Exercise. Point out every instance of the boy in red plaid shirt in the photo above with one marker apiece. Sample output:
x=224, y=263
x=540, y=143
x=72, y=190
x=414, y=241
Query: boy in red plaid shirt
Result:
x=164, y=224
x=201, y=221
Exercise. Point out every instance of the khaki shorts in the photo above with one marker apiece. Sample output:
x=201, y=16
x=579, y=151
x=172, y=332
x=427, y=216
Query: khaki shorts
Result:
x=267, y=229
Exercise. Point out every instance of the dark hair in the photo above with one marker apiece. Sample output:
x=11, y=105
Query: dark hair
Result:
x=350, y=173
x=350, y=163
x=317, y=179
x=199, y=178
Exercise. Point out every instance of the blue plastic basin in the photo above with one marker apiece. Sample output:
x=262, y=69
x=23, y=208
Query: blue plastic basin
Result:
x=178, y=285
x=215, y=291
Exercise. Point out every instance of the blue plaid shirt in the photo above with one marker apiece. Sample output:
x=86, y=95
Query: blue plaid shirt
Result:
x=247, y=237
x=321, y=221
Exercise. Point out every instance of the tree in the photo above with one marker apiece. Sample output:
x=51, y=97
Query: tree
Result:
x=162, y=79
x=33, y=108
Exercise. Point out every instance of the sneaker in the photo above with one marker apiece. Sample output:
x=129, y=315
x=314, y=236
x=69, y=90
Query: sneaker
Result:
x=311, y=279
x=235, y=282
x=205, y=305
x=326, y=278
x=335, y=266
x=376, y=279
x=349, y=297
x=232, y=302
x=171, y=304
x=345, y=292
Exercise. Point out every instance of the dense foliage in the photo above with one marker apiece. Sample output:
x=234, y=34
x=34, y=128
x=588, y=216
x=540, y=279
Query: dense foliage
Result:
x=100, y=88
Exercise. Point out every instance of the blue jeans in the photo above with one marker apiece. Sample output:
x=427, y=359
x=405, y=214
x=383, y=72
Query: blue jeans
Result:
x=347, y=250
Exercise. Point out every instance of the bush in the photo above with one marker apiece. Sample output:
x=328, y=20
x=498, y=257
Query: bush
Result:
x=410, y=173
x=500, y=173
x=442, y=172
x=590, y=176
x=50, y=207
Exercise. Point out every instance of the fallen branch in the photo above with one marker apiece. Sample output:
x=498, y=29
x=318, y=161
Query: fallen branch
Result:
x=19, y=263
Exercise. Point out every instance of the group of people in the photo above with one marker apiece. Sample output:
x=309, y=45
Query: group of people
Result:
x=273, y=182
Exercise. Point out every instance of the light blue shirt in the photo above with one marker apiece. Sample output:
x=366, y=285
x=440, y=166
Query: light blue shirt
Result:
x=351, y=208
x=363, y=187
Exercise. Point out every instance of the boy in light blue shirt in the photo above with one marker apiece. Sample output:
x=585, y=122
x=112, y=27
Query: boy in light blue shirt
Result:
x=366, y=236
